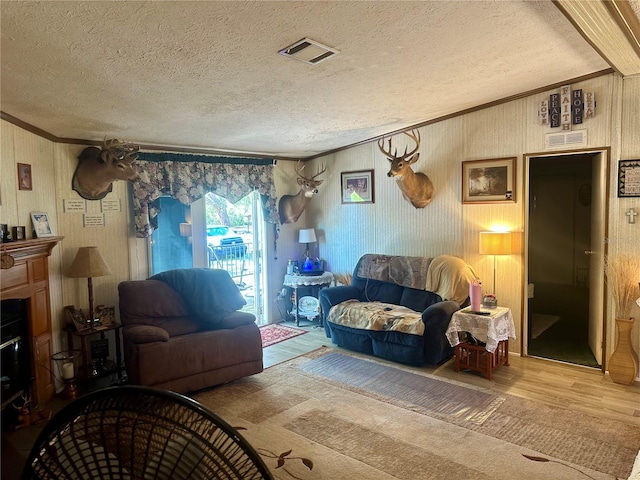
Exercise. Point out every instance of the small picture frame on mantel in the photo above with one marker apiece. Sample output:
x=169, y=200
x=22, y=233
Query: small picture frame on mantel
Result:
x=41, y=226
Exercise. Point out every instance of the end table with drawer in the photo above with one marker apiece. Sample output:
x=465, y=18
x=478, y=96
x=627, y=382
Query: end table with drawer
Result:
x=492, y=329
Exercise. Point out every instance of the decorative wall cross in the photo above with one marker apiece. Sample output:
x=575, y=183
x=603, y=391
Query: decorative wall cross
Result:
x=631, y=213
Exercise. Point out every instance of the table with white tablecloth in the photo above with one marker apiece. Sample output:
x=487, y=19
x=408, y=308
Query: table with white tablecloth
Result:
x=481, y=338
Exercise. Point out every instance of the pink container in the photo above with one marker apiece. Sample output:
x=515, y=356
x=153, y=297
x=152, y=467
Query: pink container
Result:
x=475, y=295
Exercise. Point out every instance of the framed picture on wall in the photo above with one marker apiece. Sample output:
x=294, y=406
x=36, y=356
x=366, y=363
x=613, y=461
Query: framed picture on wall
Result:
x=357, y=187
x=41, y=225
x=25, y=182
x=629, y=178
x=489, y=181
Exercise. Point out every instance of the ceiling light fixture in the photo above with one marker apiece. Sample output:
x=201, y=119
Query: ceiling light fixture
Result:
x=309, y=51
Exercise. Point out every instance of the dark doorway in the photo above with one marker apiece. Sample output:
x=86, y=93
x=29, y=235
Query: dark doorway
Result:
x=559, y=238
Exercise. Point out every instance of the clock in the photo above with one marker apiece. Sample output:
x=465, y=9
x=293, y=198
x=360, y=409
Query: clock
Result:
x=6, y=261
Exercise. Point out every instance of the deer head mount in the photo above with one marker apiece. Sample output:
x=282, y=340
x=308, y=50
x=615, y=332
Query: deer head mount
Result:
x=416, y=187
x=291, y=207
x=98, y=168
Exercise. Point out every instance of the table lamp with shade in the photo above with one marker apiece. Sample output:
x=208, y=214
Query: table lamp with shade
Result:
x=307, y=236
x=88, y=263
x=495, y=243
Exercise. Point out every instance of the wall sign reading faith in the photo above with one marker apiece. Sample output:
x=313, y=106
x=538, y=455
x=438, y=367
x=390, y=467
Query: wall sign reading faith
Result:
x=567, y=108
x=94, y=220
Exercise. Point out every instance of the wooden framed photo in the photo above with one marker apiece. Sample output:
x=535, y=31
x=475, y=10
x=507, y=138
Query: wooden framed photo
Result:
x=357, y=187
x=629, y=178
x=75, y=318
x=25, y=182
x=41, y=225
x=18, y=233
x=489, y=181
x=106, y=315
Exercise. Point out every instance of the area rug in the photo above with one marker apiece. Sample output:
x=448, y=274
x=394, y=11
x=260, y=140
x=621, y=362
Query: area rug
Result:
x=333, y=415
x=275, y=333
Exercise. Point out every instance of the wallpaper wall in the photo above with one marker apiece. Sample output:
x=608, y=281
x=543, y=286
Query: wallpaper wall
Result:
x=392, y=226
x=346, y=231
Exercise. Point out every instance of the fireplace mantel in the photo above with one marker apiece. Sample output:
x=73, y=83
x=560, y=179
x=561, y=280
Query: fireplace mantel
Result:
x=28, y=278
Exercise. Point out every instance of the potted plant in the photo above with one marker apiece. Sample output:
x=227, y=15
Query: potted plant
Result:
x=622, y=274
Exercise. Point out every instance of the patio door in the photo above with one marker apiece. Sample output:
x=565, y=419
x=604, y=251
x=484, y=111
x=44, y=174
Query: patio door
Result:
x=213, y=233
x=231, y=237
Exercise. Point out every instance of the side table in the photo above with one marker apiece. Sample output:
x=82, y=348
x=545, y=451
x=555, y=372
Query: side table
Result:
x=493, y=329
x=297, y=281
x=85, y=372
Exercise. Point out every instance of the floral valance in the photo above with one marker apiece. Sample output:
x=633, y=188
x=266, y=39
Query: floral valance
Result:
x=189, y=177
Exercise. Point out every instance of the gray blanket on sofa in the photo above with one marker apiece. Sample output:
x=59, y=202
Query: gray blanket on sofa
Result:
x=210, y=294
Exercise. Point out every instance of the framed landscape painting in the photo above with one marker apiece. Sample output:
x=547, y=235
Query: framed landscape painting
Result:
x=489, y=181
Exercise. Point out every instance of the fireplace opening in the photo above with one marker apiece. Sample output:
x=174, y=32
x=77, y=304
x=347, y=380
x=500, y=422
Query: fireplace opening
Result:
x=15, y=368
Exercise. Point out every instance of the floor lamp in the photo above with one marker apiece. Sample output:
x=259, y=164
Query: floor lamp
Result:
x=495, y=243
x=87, y=264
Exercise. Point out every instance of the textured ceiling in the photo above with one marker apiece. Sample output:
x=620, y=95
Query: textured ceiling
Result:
x=207, y=75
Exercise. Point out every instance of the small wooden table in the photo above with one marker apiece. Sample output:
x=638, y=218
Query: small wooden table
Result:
x=85, y=369
x=492, y=331
x=314, y=282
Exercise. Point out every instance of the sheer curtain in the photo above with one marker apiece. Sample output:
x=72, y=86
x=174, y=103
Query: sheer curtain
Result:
x=188, y=177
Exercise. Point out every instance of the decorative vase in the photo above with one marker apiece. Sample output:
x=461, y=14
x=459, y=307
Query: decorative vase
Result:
x=623, y=364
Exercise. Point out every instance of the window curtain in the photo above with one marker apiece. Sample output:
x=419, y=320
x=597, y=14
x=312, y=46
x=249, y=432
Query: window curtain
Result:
x=189, y=177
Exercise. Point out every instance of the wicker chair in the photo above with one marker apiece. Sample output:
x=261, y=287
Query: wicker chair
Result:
x=134, y=432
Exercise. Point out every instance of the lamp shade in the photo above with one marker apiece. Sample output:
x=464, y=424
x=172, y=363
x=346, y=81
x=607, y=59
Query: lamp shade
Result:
x=88, y=263
x=307, y=235
x=495, y=243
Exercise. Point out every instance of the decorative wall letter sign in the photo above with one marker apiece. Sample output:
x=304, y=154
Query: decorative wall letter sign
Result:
x=567, y=108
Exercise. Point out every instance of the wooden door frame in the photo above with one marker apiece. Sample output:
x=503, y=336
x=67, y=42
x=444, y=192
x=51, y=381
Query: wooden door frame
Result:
x=526, y=157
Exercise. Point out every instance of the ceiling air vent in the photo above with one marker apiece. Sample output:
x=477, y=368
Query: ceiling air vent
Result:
x=308, y=51
x=577, y=138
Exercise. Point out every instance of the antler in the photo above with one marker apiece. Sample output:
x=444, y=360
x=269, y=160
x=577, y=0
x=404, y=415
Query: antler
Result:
x=299, y=172
x=413, y=134
x=124, y=151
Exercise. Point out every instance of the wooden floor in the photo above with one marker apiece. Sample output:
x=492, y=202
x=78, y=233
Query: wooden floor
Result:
x=578, y=388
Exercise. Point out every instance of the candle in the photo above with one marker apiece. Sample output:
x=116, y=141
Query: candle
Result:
x=67, y=371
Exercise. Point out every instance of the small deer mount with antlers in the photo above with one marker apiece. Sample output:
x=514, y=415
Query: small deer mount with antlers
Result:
x=97, y=168
x=416, y=187
x=291, y=207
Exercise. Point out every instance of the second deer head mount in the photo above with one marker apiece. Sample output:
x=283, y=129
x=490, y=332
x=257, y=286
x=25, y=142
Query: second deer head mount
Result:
x=291, y=207
x=416, y=187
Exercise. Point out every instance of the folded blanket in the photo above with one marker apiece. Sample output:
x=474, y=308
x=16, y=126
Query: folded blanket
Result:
x=402, y=270
x=209, y=294
x=376, y=316
x=449, y=277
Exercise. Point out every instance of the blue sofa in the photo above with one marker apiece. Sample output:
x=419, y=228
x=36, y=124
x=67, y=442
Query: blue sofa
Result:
x=400, y=280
